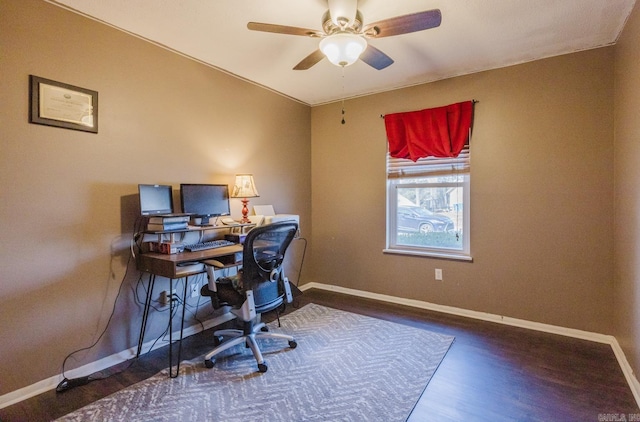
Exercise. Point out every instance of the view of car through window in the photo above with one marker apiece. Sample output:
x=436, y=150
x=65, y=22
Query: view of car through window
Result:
x=416, y=219
x=429, y=217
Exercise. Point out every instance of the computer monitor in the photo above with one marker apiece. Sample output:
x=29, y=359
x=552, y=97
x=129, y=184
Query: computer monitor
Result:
x=155, y=199
x=204, y=201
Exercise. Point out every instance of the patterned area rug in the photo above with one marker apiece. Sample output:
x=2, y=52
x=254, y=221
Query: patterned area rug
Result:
x=347, y=367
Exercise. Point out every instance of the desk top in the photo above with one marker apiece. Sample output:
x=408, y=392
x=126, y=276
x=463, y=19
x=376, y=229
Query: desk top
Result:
x=165, y=264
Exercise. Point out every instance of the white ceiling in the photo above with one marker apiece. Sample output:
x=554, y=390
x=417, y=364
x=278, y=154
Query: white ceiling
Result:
x=475, y=35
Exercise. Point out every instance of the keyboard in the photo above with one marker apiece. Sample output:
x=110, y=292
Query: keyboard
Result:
x=212, y=244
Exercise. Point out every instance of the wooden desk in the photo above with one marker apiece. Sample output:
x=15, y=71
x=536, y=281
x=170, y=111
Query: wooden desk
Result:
x=169, y=265
x=157, y=264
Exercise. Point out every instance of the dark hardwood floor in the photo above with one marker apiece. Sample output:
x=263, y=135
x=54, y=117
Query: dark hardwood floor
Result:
x=492, y=372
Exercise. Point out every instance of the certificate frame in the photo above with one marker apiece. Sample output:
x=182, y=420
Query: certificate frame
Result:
x=53, y=103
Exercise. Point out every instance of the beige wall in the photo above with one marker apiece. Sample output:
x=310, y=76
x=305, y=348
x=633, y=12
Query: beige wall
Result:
x=541, y=194
x=627, y=190
x=542, y=202
x=68, y=198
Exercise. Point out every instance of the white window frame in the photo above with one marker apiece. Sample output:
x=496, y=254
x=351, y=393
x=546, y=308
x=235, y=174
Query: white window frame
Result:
x=399, y=171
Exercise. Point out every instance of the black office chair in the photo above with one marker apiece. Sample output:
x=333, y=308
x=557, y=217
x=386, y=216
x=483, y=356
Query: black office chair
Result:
x=260, y=286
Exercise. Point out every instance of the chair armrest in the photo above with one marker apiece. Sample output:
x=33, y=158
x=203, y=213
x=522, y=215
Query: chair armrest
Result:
x=211, y=265
x=214, y=263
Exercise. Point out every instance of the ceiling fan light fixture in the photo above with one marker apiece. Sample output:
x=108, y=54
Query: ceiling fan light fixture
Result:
x=343, y=49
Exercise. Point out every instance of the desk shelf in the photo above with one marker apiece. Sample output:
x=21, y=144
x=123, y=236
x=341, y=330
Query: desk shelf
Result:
x=203, y=228
x=173, y=234
x=165, y=265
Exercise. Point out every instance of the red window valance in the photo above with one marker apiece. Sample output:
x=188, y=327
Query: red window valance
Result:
x=433, y=132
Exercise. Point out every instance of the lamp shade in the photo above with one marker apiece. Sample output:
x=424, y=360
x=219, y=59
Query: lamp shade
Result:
x=343, y=49
x=245, y=187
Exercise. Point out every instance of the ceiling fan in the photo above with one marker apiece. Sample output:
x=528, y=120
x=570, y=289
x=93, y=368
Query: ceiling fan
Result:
x=343, y=39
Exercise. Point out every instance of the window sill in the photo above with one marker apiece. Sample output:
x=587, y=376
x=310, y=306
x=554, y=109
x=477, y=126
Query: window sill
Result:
x=429, y=254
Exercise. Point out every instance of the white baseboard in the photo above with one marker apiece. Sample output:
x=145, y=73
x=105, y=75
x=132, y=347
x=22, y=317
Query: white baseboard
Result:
x=554, y=329
x=626, y=370
x=50, y=383
x=107, y=362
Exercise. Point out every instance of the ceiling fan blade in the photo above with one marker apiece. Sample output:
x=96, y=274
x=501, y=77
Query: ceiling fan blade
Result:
x=310, y=60
x=376, y=58
x=404, y=24
x=283, y=29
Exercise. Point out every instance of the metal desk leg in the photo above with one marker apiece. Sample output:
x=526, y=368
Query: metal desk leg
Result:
x=145, y=313
x=171, y=375
x=184, y=307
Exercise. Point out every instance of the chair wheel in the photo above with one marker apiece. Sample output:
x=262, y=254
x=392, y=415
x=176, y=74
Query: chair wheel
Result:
x=217, y=341
x=293, y=344
x=262, y=367
x=209, y=363
x=264, y=329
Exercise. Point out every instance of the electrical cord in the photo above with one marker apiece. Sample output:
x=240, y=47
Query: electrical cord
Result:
x=192, y=309
x=163, y=335
x=180, y=302
x=304, y=252
x=297, y=283
x=67, y=383
x=136, y=245
x=138, y=235
x=139, y=301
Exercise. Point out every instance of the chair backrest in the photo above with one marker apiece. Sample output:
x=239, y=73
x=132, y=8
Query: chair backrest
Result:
x=263, y=254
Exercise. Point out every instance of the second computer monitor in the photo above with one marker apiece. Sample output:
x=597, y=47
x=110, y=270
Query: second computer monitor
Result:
x=204, y=200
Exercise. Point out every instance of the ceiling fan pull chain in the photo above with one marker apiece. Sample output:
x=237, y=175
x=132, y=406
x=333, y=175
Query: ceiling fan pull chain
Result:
x=343, y=121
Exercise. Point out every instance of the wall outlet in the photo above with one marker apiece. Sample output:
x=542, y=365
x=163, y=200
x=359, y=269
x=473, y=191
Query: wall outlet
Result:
x=165, y=297
x=195, y=290
x=438, y=274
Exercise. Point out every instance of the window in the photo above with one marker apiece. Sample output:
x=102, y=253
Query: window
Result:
x=428, y=206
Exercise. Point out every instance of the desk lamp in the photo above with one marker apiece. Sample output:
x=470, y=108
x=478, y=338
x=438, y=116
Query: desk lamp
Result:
x=244, y=188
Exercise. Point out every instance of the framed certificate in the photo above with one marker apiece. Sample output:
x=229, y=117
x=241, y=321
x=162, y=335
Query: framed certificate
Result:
x=58, y=104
